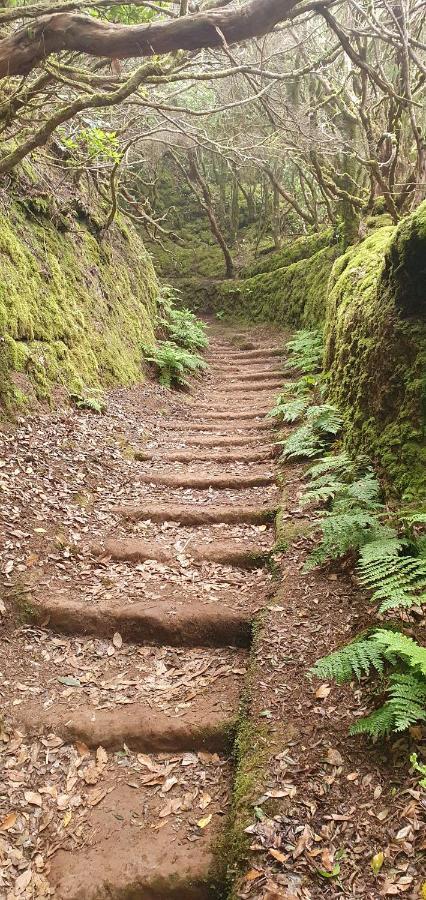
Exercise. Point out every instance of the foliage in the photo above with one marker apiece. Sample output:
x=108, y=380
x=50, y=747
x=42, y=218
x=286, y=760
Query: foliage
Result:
x=420, y=768
x=381, y=651
x=89, y=399
x=180, y=326
x=322, y=424
x=94, y=144
x=306, y=351
x=173, y=363
x=396, y=580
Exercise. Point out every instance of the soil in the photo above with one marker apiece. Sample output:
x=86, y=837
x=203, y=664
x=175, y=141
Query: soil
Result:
x=135, y=569
x=136, y=550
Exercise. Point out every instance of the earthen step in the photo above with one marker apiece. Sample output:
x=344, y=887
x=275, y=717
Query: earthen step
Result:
x=190, y=625
x=132, y=850
x=261, y=353
x=192, y=514
x=232, y=416
x=230, y=427
x=250, y=388
x=139, y=726
x=257, y=375
x=225, y=553
x=231, y=440
x=203, y=480
x=224, y=456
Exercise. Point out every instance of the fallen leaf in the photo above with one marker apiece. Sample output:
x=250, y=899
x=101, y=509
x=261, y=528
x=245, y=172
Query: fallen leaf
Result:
x=377, y=861
x=323, y=691
x=334, y=758
x=202, y=823
x=23, y=881
x=280, y=857
x=8, y=822
x=82, y=749
x=253, y=875
x=204, y=801
x=33, y=798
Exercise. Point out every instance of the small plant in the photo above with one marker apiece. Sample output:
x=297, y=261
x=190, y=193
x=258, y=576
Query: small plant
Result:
x=306, y=351
x=404, y=684
x=322, y=424
x=180, y=326
x=92, y=400
x=173, y=363
x=420, y=768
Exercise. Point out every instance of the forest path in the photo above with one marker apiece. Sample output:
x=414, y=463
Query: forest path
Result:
x=129, y=681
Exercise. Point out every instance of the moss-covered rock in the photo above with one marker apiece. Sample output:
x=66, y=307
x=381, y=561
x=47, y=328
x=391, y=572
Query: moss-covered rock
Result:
x=293, y=295
x=74, y=305
x=376, y=350
x=293, y=251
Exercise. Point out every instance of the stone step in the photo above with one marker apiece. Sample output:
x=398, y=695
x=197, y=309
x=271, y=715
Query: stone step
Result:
x=137, y=845
x=202, y=480
x=163, y=622
x=221, y=456
x=194, y=514
x=224, y=553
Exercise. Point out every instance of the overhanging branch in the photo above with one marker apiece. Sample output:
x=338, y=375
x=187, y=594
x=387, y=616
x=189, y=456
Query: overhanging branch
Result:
x=28, y=46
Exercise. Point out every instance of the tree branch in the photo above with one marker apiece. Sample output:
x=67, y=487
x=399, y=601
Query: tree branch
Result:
x=26, y=47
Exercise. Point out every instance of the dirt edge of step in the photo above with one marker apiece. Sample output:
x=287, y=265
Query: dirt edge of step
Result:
x=192, y=625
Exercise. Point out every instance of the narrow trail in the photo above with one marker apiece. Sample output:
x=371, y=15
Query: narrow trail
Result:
x=133, y=690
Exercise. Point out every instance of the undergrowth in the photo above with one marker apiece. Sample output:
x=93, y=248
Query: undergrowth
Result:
x=176, y=355
x=390, y=552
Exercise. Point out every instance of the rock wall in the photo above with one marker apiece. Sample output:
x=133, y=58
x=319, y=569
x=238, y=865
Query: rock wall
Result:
x=75, y=303
x=376, y=350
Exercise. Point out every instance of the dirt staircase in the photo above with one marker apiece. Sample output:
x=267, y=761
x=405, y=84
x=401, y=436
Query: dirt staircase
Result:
x=141, y=726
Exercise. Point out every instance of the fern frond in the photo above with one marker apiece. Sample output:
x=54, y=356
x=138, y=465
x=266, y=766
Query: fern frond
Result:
x=395, y=644
x=341, y=532
x=288, y=410
x=396, y=580
x=325, y=419
x=303, y=443
x=340, y=464
x=305, y=351
x=405, y=707
x=355, y=659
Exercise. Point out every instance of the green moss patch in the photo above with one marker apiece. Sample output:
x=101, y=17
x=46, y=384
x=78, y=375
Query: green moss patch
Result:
x=376, y=351
x=293, y=251
x=74, y=307
x=294, y=295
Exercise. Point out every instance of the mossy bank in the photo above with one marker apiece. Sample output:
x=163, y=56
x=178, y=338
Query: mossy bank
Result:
x=75, y=302
x=376, y=351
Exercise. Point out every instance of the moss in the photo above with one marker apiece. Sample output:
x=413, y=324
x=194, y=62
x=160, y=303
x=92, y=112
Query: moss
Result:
x=376, y=351
x=73, y=310
x=293, y=251
x=294, y=295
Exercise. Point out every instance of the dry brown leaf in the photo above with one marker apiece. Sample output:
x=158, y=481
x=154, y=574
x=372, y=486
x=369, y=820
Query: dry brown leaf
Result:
x=334, y=758
x=82, y=749
x=280, y=857
x=23, y=881
x=33, y=798
x=9, y=821
x=323, y=691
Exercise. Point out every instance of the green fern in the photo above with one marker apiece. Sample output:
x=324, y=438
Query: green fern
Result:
x=288, y=410
x=173, y=363
x=406, y=686
x=357, y=658
x=396, y=580
x=321, y=426
x=405, y=707
x=306, y=351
